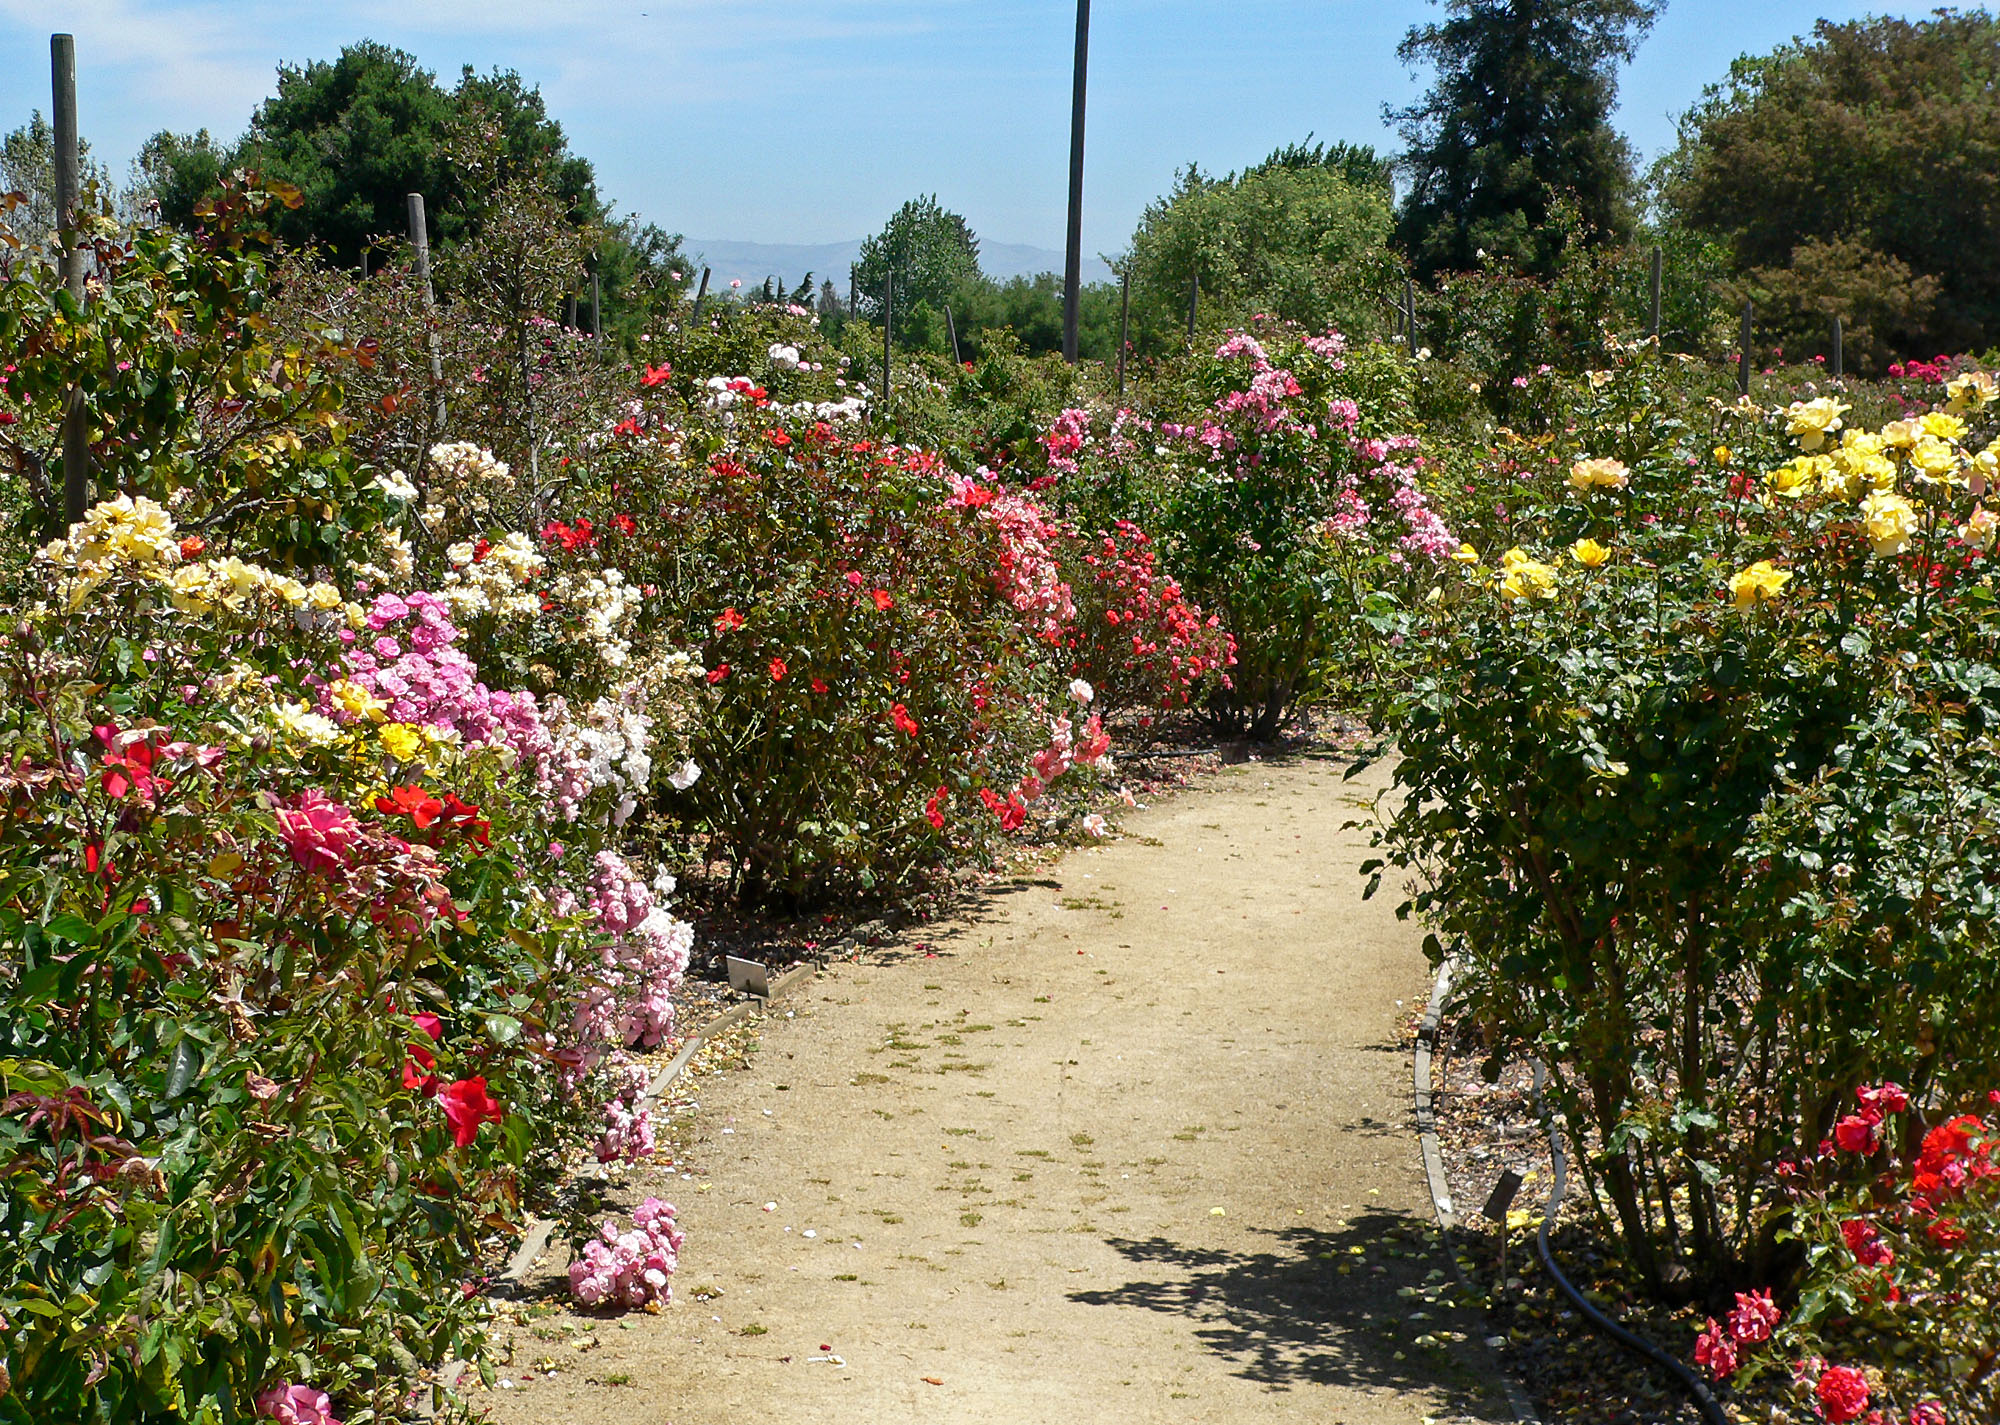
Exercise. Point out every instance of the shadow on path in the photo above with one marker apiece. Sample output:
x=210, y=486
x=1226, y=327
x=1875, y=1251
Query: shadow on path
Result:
x=1285, y=1317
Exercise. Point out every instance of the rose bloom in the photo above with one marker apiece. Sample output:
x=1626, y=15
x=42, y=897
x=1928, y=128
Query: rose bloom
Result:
x=1600, y=473
x=1842, y=1393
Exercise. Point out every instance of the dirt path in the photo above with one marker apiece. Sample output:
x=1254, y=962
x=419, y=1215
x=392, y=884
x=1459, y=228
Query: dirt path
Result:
x=1133, y=1146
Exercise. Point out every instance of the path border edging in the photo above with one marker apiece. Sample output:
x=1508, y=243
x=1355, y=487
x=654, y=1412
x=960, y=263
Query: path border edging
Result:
x=1440, y=1187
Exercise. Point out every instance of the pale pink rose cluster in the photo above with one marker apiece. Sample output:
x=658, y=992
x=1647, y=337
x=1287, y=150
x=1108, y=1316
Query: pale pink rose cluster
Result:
x=629, y=1268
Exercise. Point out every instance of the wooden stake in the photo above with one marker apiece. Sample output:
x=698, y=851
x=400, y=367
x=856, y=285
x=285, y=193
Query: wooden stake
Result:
x=420, y=245
x=1194, y=302
x=952, y=331
x=1073, y=253
x=1410, y=315
x=1653, y=327
x=1124, y=315
x=701, y=294
x=1837, y=353
x=1743, y=356
x=888, y=327
x=76, y=432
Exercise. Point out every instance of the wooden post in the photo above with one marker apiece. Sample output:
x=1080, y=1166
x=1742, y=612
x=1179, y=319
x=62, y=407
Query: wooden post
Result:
x=420, y=245
x=76, y=432
x=1073, y=253
x=1653, y=327
x=1743, y=355
x=1410, y=315
x=1837, y=353
x=569, y=312
x=596, y=304
x=1194, y=302
x=888, y=325
x=1124, y=316
x=701, y=294
x=951, y=331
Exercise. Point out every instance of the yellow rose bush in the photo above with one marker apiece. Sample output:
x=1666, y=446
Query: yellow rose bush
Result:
x=1701, y=784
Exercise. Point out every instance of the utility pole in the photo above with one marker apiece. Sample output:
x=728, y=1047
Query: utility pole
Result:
x=1073, y=254
x=76, y=432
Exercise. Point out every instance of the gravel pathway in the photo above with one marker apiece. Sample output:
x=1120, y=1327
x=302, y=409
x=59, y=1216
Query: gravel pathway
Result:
x=1131, y=1143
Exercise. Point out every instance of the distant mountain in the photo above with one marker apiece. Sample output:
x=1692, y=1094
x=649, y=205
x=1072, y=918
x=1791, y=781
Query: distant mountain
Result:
x=752, y=262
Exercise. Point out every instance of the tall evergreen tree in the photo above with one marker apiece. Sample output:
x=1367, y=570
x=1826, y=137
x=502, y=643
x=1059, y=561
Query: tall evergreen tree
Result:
x=1518, y=115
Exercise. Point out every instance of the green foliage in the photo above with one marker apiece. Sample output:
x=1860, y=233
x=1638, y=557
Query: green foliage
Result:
x=357, y=134
x=929, y=251
x=1705, y=811
x=1517, y=118
x=28, y=167
x=1857, y=174
x=1301, y=241
x=187, y=398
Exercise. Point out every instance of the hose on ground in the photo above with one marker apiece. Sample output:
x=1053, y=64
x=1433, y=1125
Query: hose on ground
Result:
x=1693, y=1384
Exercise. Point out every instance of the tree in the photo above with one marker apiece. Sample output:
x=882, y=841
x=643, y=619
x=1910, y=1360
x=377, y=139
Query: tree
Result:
x=1856, y=174
x=358, y=133
x=28, y=167
x=1517, y=115
x=1303, y=235
x=929, y=250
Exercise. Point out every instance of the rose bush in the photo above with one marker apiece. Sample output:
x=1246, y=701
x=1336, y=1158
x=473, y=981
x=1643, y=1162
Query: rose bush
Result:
x=302, y=993
x=1697, y=773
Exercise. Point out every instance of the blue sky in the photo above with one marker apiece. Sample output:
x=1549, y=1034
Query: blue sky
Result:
x=782, y=121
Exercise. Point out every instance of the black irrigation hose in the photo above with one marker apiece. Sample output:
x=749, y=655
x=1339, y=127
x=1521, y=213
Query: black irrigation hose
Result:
x=1630, y=1340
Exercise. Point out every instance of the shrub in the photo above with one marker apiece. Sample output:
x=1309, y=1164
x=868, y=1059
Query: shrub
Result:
x=1697, y=770
x=299, y=999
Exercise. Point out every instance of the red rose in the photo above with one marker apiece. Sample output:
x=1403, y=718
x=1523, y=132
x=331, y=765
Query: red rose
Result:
x=1843, y=1394
x=466, y=1105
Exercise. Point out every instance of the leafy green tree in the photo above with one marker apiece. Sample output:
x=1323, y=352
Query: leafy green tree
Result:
x=929, y=249
x=1518, y=115
x=1857, y=174
x=356, y=134
x=1303, y=235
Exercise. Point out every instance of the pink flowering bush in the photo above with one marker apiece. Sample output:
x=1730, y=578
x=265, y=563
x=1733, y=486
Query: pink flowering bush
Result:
x=627, y=1269
x=1894, y=1322
x=1286, y=495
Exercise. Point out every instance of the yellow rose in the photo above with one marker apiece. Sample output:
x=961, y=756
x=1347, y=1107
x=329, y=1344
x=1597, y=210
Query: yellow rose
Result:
x=1812, y=421
x=1465, y=554
x=1795, y=478
x=1603, y=472
x=1984, y=471
x=1933, y=459
x=1888, y=520
x=1900, y=435
x=323, y=596
x=1760, y=582
x=401, y=741
x=1942, y=426
x=1589, y=553
x=1723, y=455
x=1525, y=578
x=350, y=697
x=1979, y=530
x=1972, y=391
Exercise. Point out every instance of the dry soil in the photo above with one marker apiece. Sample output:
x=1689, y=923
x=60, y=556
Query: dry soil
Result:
x=1130, y=1143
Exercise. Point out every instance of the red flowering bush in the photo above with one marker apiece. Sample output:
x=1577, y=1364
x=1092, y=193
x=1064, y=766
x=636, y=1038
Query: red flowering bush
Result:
x=881, y=644
x=1139, y=641
x=1900, y=1212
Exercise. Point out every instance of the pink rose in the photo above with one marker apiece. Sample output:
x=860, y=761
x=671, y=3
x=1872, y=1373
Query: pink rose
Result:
x=296, y=1405
x=318, y=832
